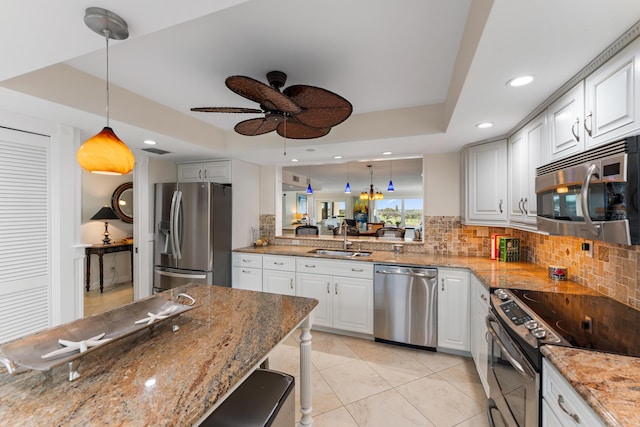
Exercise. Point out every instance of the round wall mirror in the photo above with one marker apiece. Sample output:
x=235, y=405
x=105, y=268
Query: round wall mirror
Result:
x=122, y=202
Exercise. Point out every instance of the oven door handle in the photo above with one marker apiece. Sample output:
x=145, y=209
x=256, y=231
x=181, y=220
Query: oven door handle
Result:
x=524, y=370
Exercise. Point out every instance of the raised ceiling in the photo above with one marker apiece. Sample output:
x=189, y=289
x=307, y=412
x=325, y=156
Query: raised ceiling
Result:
x=419, y=73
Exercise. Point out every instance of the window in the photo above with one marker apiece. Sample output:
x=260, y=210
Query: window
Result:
x=400, y=212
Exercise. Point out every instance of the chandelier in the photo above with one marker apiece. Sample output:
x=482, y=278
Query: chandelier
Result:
x=371, y=193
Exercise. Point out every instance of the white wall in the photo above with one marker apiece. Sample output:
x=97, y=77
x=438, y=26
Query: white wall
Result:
x=246, y=196
x=441, y=183
x=268, y=190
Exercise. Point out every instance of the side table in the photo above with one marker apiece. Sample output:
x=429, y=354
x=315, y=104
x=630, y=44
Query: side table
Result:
x=100, y=250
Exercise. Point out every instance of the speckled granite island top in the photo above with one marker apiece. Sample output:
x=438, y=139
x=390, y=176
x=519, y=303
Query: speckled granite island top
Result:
x=158, y=377
x=609, y=383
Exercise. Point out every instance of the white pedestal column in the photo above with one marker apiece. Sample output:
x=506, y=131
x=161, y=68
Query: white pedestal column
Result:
x=305, y=373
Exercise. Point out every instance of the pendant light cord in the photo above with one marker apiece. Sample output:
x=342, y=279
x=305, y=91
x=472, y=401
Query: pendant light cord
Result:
x=107, y=33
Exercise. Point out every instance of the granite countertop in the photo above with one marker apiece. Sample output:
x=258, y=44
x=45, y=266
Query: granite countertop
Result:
x=158, y=377
x=612, y=389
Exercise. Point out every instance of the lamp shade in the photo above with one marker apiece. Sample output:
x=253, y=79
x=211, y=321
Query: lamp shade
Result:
x=104, y=213
x=105, y=153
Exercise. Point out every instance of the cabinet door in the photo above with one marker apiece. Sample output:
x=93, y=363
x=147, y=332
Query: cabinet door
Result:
x=317, y=286
x=247, y=278
x=612, y=99
x=279, y=282
x=479, y=300
x=549, y=419
x=453, y=309
x=353, y=304
x=217, y=171
x=486, y=183
x=537, y=137
x=190, y=172
x=566, y=132
x=518, y=174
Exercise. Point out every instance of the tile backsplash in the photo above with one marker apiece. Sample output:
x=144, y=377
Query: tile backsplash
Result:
x=613, y=270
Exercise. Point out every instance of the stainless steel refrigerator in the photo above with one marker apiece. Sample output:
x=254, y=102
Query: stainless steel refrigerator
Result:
x=192, y=234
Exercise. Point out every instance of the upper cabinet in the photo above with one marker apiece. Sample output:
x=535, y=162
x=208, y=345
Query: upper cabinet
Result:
x=566, y=131
x=215, y=171
x=525, y=155
x=612, y=98
x=486, y=184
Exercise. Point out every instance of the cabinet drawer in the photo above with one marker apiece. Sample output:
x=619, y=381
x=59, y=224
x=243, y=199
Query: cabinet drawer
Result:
x=356, y=269
x=246, y=260
x=284, y=263
x=564, y=401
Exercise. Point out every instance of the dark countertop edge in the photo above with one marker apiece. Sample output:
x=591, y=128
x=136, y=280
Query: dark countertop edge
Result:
x=551, y=352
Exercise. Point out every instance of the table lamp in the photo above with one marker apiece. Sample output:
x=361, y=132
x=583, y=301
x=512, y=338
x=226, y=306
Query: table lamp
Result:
x=104, y=214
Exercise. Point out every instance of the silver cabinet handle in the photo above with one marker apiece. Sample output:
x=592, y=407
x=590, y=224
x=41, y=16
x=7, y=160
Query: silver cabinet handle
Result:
x=590, y=117
x=278, y=263
x=483, y=297
x=246, y=260
x=357, y=270
x=500, y=206
x=524, y=206
x=520, y=206
x=200, y=174
x=205, y=174
x=574, y=129
x=573, y=415
x=291, y=283
x=443, y=284
x=246, y=271
x=336, y=288
x=310, y=266
x=328, y=284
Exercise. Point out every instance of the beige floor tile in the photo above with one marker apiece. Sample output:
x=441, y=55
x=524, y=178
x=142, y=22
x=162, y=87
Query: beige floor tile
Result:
x=465, y=378
x=439, y=401
x=330, y=352
x=354, y=380
x=323, y=399
x=479, y=420
x=112, y=297
x=437, y=361
x=386, y=409
x=396, y=367
x=337, y=418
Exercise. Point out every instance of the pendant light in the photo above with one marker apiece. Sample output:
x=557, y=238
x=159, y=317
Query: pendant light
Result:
x=347, y=188
x=390, y=187
x=104, y=152
x=309, y=189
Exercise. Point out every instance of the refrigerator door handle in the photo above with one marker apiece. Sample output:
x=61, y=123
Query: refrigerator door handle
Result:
x=180, y=275
x=176, y=204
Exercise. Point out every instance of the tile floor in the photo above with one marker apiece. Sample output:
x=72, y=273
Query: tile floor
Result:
x=358, y=382
x=361, y=383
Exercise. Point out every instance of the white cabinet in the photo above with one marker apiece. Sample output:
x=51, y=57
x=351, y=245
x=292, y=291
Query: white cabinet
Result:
x=525, y=153
x=453, y=309
x=486, y=184
x=479, y=300
x=278, y=274
x=214, y=171
x=246, y=271
x=612, y=98
x=344, y=290
x=566, y=131
x=561, y=404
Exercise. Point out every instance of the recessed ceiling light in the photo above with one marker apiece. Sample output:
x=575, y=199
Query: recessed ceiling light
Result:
x=295, y=160
x=386, y=153
x=149, y=142
x=520, y=81
x=484, y=125
x=337, y=157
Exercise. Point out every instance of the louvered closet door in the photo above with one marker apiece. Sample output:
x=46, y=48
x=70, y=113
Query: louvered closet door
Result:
x=25, y=243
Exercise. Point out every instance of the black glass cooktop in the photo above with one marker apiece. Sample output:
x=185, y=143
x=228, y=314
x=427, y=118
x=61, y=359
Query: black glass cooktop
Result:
x=587, y=321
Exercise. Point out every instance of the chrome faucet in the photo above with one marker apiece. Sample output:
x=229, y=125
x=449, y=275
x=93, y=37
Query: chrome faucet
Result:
x=343, y=230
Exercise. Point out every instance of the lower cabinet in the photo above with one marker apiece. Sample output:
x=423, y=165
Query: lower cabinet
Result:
x=561, y=404
x=279, y=274
x=246, y=272
x=345, y=301
x=479, y=300
x=453, y=309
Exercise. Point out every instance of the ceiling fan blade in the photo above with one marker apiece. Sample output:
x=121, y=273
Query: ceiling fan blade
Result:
x=268, y=97
x=253, y=127
x=320, y=108
x=293, y=129
x=226, y=110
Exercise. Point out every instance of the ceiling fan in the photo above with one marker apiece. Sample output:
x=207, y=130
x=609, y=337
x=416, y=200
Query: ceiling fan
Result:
x=297, y=112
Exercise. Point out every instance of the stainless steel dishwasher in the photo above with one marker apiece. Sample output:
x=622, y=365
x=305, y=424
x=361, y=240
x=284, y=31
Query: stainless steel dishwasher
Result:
x=405, y=305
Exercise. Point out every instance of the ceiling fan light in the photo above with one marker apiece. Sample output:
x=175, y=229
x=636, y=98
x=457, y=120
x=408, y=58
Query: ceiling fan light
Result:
x=347, y=188
x=390, y=188
x=104, y=153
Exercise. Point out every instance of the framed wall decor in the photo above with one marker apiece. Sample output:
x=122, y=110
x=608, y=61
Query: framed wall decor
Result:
x=302, y=204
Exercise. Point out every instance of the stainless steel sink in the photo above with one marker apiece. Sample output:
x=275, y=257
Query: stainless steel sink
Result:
x=340, y=252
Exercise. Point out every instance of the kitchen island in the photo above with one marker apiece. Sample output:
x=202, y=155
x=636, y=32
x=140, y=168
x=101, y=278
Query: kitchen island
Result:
x=161, y=378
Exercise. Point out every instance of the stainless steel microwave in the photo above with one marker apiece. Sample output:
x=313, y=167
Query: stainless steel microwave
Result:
x=593, y=195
